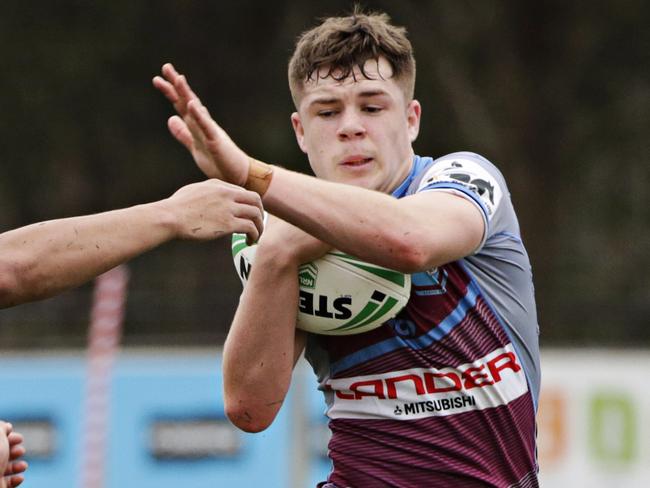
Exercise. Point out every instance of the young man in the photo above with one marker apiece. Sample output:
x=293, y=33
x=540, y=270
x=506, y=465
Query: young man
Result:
x=40, y=260
x=443, y=395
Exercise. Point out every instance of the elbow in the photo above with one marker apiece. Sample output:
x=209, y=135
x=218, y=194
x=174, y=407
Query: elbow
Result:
x=20, y=282
x=10, y=285
x=409, y=257
x=248, y=418
x=414, y=260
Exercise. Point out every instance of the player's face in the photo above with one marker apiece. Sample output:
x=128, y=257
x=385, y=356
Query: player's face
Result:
x=358, y=130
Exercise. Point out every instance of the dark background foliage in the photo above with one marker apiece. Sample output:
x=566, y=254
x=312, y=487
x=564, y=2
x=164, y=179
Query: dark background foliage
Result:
x=557, y=94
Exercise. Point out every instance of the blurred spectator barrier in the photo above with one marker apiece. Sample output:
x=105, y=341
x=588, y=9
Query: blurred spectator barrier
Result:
x=167, y=427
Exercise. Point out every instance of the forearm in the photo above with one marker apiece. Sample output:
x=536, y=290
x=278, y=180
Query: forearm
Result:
x=410, y=234
x=367, y=224
x=42, y=259
x=260, y=351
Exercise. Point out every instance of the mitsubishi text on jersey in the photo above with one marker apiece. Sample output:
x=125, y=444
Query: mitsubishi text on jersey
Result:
x=445, y=393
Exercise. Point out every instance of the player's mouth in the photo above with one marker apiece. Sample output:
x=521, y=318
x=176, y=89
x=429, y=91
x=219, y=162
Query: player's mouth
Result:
x=356, y=161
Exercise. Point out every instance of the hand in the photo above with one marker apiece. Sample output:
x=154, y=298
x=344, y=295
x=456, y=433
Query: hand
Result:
x=288, y=242
x=212, y=149
x=212, y=208
x=11, y=450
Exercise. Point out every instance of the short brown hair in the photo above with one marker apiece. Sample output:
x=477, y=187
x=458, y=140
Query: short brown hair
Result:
x=342, y=43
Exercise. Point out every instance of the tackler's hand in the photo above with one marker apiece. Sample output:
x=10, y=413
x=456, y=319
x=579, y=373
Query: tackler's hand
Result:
x=11, y=453
x=213, y=208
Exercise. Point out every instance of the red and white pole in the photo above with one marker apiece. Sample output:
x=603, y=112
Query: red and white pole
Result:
x=103, y=344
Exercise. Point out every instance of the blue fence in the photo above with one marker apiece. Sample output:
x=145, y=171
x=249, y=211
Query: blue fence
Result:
x=166, y=426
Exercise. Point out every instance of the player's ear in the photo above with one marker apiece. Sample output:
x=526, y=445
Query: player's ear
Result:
x=413, y=114
x=299, y=130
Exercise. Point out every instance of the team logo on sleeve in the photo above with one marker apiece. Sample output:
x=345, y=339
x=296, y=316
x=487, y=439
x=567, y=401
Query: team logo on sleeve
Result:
x=447, y=173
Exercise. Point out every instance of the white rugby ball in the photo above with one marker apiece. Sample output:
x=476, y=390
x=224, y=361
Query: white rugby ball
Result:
x=339, y=294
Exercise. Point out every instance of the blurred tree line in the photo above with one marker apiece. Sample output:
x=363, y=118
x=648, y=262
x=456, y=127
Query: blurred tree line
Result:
x=557, y=94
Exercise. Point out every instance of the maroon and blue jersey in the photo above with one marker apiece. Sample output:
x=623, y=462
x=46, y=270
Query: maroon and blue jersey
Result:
x=444, y=394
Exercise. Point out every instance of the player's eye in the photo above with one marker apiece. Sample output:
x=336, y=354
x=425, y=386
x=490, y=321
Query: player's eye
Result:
x=372, y=109
x=326, y=113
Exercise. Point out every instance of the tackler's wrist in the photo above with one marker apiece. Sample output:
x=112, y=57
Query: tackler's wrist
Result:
x=259, y=176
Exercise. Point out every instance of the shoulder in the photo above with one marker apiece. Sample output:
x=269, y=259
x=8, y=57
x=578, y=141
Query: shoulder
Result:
x=465, y=173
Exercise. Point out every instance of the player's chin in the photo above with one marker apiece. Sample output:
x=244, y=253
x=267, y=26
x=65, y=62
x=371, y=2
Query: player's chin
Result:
x=369, y=180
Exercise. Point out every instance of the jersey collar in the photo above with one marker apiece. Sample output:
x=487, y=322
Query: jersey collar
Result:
x=415, y=167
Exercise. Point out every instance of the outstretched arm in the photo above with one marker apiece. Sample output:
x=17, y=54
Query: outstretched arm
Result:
x=40, y=260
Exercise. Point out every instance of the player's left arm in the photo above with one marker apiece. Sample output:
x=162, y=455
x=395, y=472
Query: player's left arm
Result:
x=411, y=234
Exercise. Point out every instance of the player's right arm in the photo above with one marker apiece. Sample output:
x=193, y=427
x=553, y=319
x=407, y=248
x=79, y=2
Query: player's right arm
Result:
x=263, y=344
x=40, y=260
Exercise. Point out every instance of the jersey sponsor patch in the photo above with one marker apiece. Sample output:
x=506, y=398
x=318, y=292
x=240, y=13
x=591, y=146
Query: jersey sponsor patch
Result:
x=493, y=380
x=453, y=174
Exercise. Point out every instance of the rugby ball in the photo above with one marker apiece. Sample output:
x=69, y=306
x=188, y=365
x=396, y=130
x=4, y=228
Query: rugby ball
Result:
x=339, y=294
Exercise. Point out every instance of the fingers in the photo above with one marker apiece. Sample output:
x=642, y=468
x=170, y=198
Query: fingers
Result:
x=165, y=84
x=246, y=211
x=180, y=84
x=179, y=81
x=14, y=481
x=258, y=220
x=250, y=198
x=16, y=468
x=250, y=208
x=181, y=132
x=195, y=130
x=184, y=90
x=15, y=438
x=169, y=70
x=175, y=88
x=12, y=476
x=245, y=226
x=165, y=88
x=213, y=151
x=16, y=448
x=204, y=121
x=16, y=452
x=212, y=208
x=252, y=214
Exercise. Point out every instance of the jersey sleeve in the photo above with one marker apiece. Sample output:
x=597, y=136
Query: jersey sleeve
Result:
x=471, y=177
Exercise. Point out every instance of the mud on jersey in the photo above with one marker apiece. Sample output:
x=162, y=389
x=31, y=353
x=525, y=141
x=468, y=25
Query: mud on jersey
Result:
x=444, y=394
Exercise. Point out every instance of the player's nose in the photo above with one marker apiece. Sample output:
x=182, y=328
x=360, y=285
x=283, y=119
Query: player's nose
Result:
x=350, y=125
